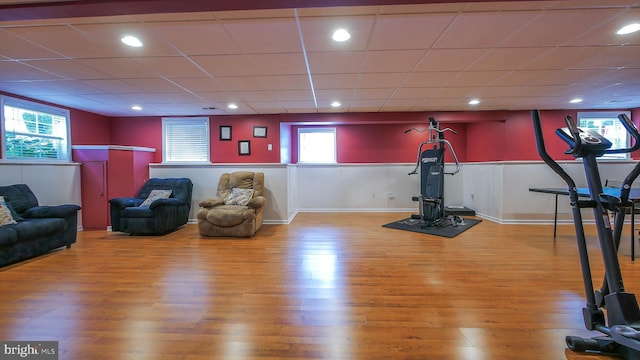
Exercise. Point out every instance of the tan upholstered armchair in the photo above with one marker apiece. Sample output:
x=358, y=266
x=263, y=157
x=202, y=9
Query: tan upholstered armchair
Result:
x=237, y=209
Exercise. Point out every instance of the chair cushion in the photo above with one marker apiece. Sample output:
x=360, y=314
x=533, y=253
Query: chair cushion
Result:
x=5, y=214
x=136, y=212
x=155, y=195
x=239, y=197
x=228, y=215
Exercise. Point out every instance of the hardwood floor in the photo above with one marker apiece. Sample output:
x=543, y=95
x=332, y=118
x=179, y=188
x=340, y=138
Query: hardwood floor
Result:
x=328, y=286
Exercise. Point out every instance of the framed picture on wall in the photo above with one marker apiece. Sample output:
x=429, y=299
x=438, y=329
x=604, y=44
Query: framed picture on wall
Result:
x=244, y=147
x=225, y=133
x=260, y=131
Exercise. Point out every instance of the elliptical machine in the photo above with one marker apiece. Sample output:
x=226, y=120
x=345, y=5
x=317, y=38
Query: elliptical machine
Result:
x=621, y=327
x=431, y=165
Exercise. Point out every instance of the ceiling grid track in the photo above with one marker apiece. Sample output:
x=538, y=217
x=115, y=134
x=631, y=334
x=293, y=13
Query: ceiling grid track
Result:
x=306, y=59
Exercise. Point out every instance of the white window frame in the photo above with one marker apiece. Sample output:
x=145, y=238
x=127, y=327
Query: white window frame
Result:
x=613, y=115
x=184, y=128
x=307, y=130
x=64, y=152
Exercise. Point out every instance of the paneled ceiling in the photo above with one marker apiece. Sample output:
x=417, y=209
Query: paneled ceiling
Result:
x=509, y=55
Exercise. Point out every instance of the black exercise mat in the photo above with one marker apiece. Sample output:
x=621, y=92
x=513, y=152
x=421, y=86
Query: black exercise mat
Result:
x=449, y=231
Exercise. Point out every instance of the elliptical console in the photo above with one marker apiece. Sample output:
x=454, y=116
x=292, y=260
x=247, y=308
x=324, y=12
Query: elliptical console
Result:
x=621, y=325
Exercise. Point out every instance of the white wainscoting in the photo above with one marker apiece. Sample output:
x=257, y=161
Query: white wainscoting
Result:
x=52, y=183
x=497, y=191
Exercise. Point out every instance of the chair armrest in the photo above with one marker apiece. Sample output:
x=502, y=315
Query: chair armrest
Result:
x=55, y=211
x=168, y=201
x=125, y=202
x=210, y=203
x=257, y=202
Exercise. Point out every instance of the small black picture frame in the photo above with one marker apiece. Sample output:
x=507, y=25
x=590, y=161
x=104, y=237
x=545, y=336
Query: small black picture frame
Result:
x=244, y=147
x=260, y=131
x=225, y=133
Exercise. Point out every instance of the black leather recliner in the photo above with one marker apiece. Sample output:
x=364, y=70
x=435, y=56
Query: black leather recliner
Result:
x=161, y=216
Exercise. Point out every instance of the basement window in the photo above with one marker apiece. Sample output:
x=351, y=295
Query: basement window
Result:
x=607, y=124
x=317, y=145
x=185, y=140
x=34, y=131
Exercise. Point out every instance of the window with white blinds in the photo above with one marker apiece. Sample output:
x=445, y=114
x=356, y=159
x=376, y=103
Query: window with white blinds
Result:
x=34, y=131
x=185, y=140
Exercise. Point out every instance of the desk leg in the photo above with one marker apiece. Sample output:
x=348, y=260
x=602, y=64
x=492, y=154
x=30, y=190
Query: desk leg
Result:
x=555, y=218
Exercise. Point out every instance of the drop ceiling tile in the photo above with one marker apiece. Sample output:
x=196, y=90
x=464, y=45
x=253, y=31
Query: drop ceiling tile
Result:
x=482, y=29
x=284, y=95
x=521, y=78
x=17, y=71
x=391, y=61
x=450, y=59
x=335, y=81
x=67, y=68
x=462, y=93
x=16, y=48
x=384, y=80
x=400, y=104
x=155, y=85
x=317, y=32
x=200, y=84
x=109, y=35
x=225, y=65
x=605, y=33
x=243, y=83
x=334, y=94
x=558, y=27
x=627, y=56
x=410, y=93
x=170, y=66
x=278, y=64
x=119, y=68
x=429, y=79
x=413, y=31
x=273, y=35
x=476, y=78
x=111, y=86
x=298, y=106
x=508, y=58
x=257, y=96
x=65, y=41
x=564, y=57
x=269, y=107
x=336, y=62
x=372, y=94
x=222, y=97
x=197, y=37
x=286, y=82
x=365, y=105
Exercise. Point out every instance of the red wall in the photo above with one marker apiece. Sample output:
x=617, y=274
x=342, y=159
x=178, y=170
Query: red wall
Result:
x=242, y=129
x=361, y=137
x=89, y=129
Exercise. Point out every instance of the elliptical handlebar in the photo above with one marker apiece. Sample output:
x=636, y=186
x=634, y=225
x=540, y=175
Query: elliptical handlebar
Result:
x=633, y=131
x=542, y=150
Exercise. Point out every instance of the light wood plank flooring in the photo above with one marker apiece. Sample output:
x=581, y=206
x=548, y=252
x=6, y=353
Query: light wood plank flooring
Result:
x=328, y=286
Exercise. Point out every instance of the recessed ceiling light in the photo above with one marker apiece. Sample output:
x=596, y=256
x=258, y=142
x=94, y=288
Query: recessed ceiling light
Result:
x=628, y=29
x=474, y=102
x=336, y=104
x=232, y=106
x=341, y=35
x=131, y=41
x=576, y=101
x=136, y=107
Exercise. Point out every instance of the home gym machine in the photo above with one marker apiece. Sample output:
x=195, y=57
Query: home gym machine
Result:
x=431, y=165
x=610, y=310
